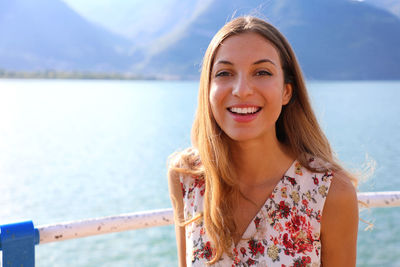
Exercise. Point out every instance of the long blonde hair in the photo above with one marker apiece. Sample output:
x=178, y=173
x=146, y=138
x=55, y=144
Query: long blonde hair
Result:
x=296, y=127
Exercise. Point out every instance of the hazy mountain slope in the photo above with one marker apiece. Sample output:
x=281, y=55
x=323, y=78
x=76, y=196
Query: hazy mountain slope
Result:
x=343, y=39
x=140, y=21
x=393, y=6
x=47, y=34
x=182, y=57
x=333, y=39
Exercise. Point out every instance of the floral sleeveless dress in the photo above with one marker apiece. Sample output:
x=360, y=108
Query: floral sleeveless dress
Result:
x=285, y=232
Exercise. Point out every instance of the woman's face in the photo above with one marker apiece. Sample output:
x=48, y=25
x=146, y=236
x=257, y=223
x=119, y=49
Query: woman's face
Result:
x=247, y=89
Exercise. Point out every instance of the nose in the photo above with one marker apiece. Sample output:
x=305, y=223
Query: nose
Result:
x=242, y=87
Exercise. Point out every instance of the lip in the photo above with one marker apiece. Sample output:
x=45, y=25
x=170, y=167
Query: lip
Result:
x=244, y=105
x=244, y=118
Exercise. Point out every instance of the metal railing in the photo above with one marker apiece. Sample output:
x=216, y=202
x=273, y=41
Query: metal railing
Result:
x=18, y=240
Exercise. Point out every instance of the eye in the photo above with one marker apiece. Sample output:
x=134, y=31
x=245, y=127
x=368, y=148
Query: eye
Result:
x=222, y=73
x=263, y=73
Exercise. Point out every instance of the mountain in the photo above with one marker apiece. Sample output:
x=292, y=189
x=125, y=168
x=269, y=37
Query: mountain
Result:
x=393, y=6
x=179, y=54
x=333, y=39
x=135, y=19
x=47, y=34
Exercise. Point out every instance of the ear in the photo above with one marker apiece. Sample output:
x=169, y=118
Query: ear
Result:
x=287, y=93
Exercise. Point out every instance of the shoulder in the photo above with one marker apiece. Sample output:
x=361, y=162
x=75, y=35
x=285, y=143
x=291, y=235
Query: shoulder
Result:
x=339, y=224
x=341, y=201
x=342, y=193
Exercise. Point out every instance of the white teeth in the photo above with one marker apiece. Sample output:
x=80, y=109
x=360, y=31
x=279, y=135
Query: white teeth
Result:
x=249, y=110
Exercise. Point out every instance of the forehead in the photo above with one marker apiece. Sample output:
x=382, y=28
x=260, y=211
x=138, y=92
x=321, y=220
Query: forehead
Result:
x=247, y=47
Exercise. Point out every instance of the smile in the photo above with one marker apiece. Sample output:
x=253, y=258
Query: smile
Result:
x=244, y=111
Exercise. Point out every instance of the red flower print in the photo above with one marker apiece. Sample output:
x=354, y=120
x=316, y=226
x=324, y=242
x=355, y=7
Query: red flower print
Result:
x=319, y=216
x=202, y=231
x=302, y=262
x=288, y=245
x=236, y=261
x=316, y=182
x=308, y=212
x=256, y=247
x=190, y=190
x=257, y=222
x=260, y=248
x=278, y=227
x=275, y=240
x=243, y=251
x=284, y=209
x=202, y=192
x=292, y=180
x=306, y=259
x=207, y=251
x=294, y=224
x=250, y=262
x=305, y=202
x=198, y=182
x=299, y=239
x=183, y=190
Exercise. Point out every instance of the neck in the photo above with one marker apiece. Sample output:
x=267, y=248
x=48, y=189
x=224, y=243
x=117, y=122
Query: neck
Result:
x=260, y=162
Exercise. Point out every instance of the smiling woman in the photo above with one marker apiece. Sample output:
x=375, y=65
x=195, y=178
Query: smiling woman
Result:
x=250, y=86
x=260, y=186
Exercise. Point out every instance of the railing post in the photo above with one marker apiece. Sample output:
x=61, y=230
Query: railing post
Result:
x=17, y=241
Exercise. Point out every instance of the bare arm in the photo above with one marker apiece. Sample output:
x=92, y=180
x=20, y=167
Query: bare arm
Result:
x=339, y=224
x=176, y=196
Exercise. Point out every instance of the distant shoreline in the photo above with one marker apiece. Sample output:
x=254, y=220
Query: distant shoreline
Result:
x=75, y=75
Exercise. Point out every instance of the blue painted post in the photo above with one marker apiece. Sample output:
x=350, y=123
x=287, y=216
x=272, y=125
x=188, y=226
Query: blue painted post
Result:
x=17, y=241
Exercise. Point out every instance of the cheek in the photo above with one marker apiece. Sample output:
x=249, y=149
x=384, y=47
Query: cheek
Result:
x=273, y=93
x=216, y=99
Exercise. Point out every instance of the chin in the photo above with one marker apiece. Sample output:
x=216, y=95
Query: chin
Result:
x=242, y=136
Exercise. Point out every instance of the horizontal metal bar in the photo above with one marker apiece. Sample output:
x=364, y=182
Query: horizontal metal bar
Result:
x=138, y=220
x=111, y=224
x=380, y=199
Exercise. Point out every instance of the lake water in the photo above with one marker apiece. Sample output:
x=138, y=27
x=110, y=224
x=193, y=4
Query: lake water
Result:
x=71, y=150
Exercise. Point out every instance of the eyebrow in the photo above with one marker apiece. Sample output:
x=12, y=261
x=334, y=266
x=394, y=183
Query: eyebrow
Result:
x=264, y=60
x=226, y=62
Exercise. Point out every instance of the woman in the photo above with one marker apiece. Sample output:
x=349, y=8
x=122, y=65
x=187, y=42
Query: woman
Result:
x=260, y=186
